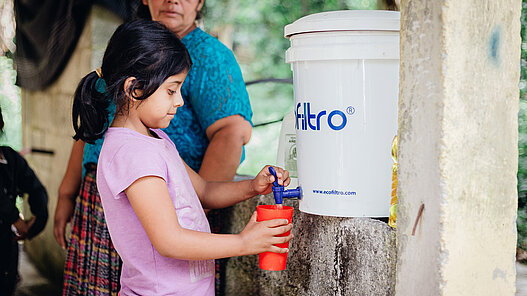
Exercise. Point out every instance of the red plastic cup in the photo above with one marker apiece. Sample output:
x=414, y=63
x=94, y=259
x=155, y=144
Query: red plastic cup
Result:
x=269, y=260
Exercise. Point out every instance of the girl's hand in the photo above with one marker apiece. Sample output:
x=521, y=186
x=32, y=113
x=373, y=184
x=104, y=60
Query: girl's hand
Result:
x=21, y=228
x=263, y=182
x=259, y=237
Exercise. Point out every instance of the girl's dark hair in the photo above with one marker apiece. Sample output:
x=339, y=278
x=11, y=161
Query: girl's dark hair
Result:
x=143, y=49
x=143, y=12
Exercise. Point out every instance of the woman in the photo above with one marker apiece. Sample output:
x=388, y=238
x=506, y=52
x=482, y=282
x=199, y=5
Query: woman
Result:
x=212, y=128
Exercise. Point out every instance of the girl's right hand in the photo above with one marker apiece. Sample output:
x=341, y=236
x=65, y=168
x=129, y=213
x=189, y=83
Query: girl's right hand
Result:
x=259, y=237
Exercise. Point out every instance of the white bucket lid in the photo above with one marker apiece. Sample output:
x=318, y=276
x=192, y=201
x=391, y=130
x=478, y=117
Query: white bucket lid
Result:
x=345, y=20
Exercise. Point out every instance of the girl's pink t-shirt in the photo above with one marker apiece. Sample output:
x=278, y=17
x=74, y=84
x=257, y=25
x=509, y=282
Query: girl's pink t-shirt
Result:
x=126, y=156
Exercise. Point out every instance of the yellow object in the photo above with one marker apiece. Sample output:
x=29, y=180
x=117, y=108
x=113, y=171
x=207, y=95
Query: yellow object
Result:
x=393, y=202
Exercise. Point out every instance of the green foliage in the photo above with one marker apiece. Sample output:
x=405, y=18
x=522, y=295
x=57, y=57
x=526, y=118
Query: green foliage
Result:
x=259, y=28
x=259, y=45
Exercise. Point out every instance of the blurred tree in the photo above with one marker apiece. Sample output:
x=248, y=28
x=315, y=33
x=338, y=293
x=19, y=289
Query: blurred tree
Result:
x=258, y=36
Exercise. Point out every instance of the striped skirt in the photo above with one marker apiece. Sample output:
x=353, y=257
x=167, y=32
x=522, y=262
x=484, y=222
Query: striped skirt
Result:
x=92, y=266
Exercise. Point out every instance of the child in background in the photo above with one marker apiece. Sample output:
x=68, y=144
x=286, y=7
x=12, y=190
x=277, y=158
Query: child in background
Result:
x=151, y=199
x=16, y=179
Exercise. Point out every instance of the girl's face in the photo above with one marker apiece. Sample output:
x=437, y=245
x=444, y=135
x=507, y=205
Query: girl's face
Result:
x=158, y=110
x=177, y=15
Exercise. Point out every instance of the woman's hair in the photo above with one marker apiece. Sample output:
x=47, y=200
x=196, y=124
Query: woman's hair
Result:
x=143, y=12
x=143, y=49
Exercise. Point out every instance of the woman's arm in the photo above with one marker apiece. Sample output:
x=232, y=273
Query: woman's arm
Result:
x=68, y=190
x=226, y=139
x=151, y=202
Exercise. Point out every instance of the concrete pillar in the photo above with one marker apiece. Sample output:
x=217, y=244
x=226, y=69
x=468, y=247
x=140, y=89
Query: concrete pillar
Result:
x=47, y=124
x=328, y=256
x=458, y=147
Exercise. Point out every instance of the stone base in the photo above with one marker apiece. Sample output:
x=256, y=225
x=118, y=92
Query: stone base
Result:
x=328, y=256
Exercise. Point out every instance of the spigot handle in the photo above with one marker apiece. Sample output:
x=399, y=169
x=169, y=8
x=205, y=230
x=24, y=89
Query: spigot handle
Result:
x=273, y=172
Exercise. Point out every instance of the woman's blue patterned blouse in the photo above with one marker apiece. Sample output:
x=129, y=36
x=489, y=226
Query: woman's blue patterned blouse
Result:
x=214, y=89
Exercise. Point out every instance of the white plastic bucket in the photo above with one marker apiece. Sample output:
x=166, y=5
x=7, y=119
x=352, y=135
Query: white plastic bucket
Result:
x=346, y=81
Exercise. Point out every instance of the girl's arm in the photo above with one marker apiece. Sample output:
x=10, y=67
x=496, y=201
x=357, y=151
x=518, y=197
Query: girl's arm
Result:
x=218, y=195
x=151, y=202
x=68, y=190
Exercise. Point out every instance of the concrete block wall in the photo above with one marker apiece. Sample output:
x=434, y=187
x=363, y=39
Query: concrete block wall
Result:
x=47, y=124
x=458, y=154
x=46, y=118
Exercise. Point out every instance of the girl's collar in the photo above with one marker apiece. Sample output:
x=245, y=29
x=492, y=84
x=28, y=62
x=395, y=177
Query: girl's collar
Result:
x=155, y=132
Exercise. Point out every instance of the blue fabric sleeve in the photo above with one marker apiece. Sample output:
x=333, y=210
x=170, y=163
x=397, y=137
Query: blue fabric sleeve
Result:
x=217, y=89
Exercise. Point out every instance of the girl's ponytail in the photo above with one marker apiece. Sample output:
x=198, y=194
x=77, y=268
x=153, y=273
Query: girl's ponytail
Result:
x=90, y=109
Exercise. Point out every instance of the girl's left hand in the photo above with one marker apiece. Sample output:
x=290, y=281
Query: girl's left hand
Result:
x=263, y=182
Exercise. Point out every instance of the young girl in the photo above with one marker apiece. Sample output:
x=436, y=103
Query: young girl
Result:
x=152, y=200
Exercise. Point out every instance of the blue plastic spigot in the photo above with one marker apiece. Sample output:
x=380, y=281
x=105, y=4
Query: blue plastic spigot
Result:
x=279, y=192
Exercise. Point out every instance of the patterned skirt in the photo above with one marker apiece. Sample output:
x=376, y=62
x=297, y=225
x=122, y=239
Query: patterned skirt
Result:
x=92, y=267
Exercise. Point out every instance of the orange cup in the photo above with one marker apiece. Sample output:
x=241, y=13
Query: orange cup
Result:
x=269, y=260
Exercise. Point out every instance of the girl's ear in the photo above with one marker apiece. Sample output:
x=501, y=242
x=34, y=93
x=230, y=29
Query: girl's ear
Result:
x=128, y=83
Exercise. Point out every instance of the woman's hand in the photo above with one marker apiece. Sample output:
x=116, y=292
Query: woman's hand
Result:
x=262, y=183
x=259, y=237
x=68, y=190
x=63, y=215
